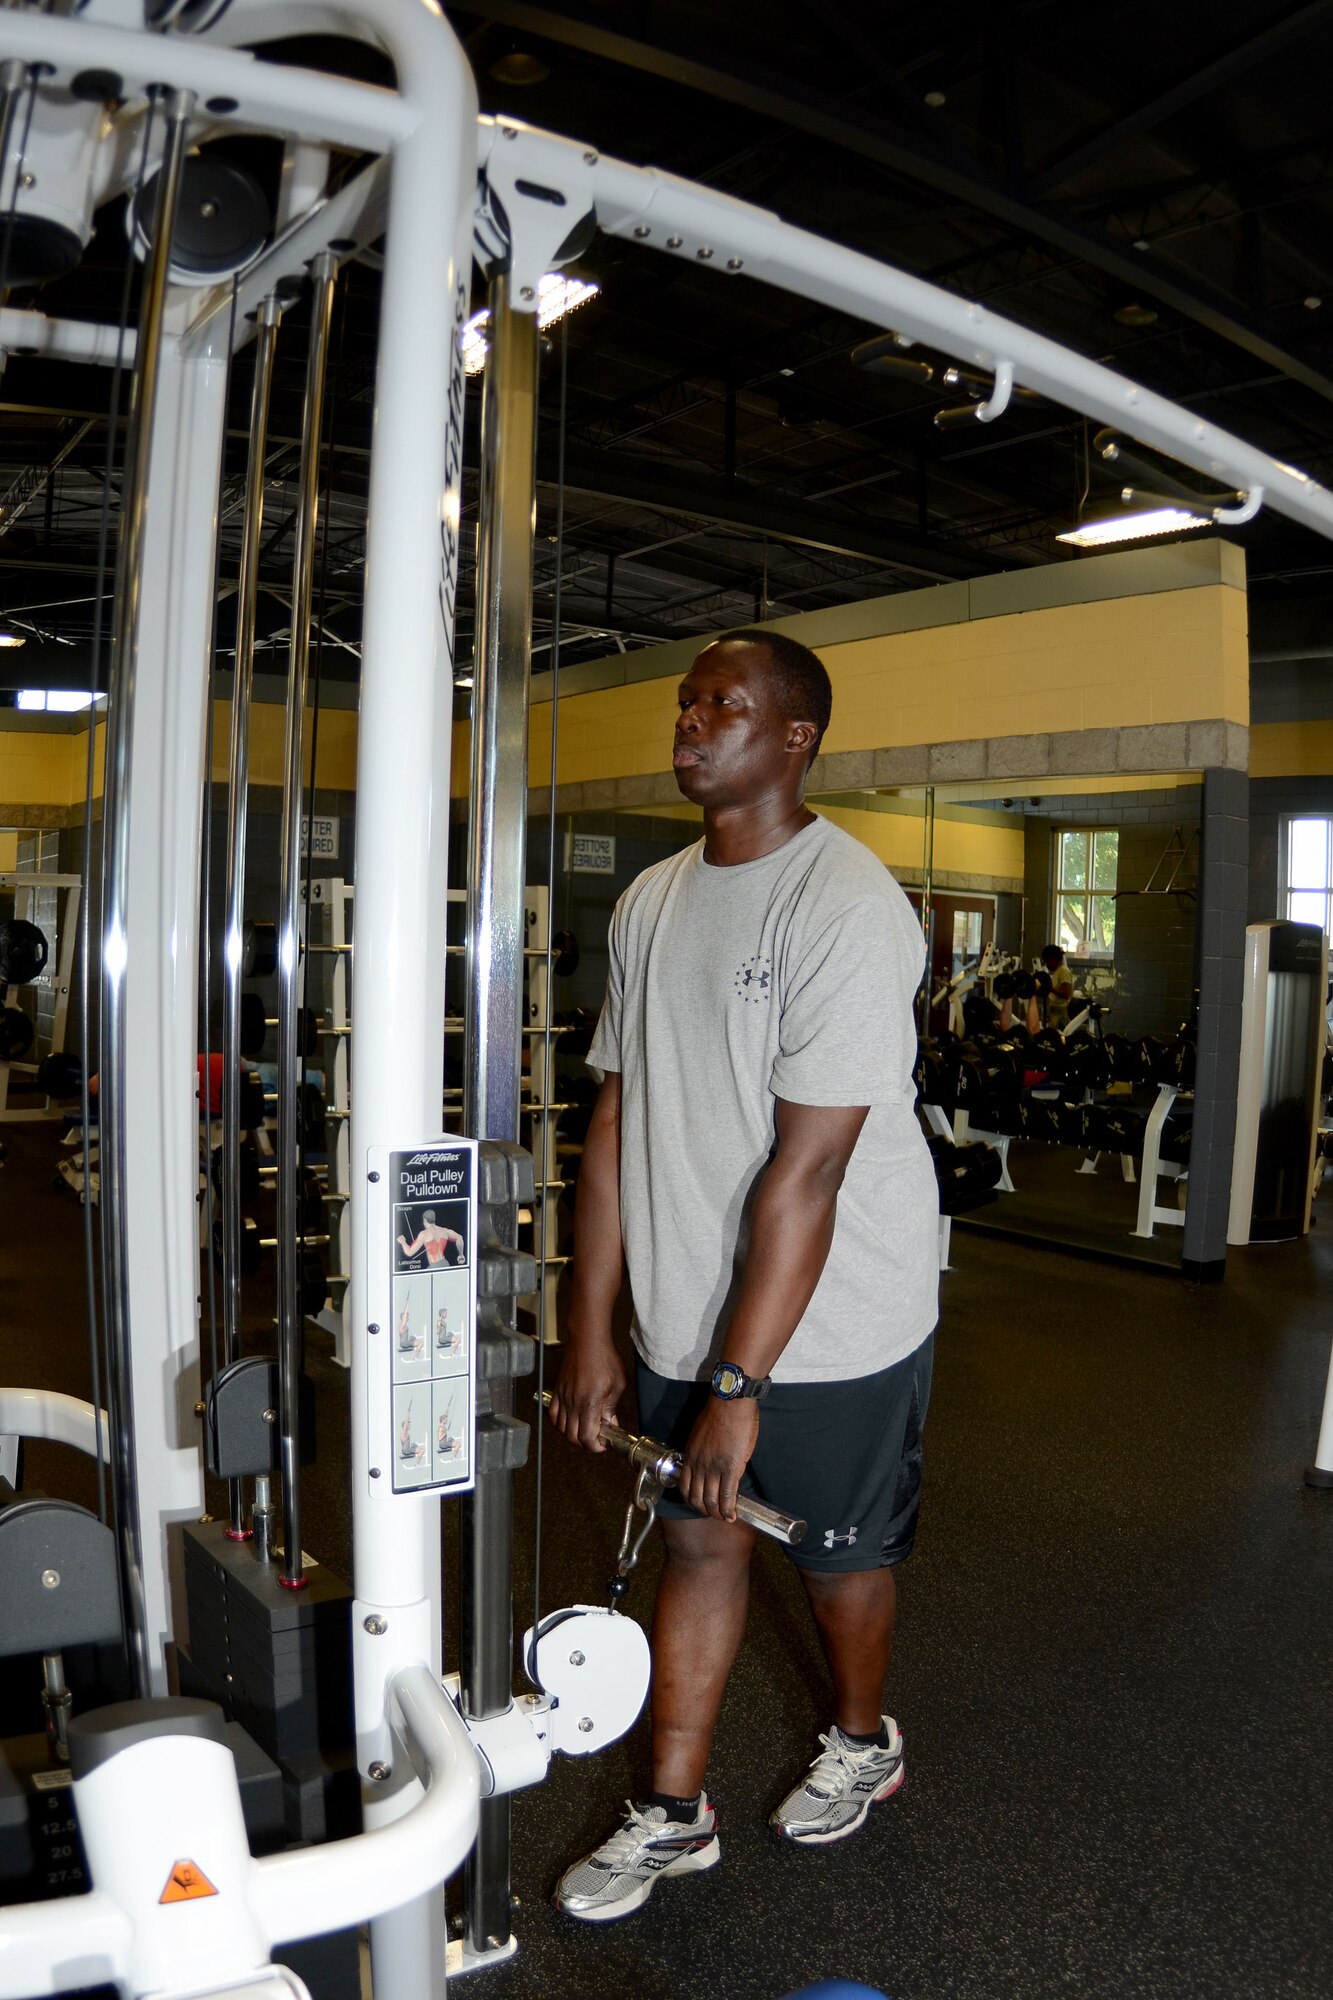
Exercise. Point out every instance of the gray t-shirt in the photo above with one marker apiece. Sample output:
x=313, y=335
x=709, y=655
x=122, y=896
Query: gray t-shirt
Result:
x=792, y=976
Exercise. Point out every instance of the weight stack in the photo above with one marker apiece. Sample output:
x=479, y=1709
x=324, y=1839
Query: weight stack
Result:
x=280, y=1663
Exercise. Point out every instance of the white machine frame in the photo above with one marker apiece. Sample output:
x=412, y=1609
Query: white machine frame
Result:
x=429, y=149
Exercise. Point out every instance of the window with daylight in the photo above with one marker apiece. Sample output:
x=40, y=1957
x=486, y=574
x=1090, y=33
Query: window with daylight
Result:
x=1086, y=860
x=1308, y=871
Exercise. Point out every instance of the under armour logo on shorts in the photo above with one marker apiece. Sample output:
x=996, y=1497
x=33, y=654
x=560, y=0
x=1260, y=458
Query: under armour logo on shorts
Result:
x=830, y=1539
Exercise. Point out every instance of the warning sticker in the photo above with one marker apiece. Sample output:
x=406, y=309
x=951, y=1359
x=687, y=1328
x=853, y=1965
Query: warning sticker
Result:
x=186, y=1884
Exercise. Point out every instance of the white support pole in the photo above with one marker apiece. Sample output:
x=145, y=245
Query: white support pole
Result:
x=162, y=989
x=406, y=721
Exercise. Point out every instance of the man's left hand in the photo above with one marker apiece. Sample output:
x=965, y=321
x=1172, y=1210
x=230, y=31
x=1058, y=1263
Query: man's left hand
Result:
x=717, y=1454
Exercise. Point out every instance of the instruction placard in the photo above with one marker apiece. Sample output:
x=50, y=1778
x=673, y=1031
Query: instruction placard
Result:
x=424, y=1304
x=590, y=853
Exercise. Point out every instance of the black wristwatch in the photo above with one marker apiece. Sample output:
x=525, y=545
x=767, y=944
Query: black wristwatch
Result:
x=733, y=1385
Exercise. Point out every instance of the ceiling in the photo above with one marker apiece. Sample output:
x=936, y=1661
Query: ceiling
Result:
x=1152, y=185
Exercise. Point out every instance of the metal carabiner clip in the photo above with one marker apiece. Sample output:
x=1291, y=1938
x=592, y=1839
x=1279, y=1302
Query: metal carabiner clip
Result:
x=648, y=1490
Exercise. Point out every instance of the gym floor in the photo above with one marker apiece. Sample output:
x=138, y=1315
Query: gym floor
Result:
x=1113, y=1673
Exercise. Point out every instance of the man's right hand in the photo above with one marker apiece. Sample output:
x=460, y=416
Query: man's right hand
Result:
x=591, y=1384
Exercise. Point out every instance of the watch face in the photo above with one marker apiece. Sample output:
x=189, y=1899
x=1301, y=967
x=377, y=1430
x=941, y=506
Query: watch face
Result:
x=728, y=1381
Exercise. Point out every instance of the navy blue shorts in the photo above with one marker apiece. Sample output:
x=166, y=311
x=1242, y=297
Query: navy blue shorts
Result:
x=843, y=1456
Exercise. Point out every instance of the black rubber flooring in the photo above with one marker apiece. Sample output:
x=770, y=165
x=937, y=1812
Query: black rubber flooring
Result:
x=1093, y=1213
x=1114, y=1668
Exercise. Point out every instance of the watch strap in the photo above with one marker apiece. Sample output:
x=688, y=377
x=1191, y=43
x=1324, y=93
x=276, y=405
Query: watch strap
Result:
x=736, y=1386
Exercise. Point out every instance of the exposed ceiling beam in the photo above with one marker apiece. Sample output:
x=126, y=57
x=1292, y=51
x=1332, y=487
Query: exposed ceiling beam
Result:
x=1196, y=83
x=843, y=126
x=746, y=508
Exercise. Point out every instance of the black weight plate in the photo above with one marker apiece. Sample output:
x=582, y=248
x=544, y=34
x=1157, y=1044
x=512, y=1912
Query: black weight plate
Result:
x=23, y=951
x=16, y=1034
x=259, y=949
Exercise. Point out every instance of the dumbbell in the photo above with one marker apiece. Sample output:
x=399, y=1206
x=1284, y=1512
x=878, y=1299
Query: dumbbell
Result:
x=1087, y=1064
x=259, y=949
x=60, y=1074
x=16, y=1034
x=247, y=1157
x=250, y=1256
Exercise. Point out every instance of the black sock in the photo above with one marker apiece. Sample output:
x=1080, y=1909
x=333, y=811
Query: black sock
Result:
x=684, y=1810
x=879, y=1741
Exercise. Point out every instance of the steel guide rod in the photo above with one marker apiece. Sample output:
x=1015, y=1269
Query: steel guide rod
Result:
x=112, y=1093
x=497, y=866
x=238, y=783
x=291, y=1062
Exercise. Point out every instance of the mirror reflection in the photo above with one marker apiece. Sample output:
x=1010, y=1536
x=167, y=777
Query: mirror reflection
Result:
x=1057, y=1017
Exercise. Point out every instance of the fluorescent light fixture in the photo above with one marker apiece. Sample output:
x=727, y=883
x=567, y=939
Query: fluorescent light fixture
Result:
x=1133, y=527
x=12, y=639
x=62, y=701
x=558, y=294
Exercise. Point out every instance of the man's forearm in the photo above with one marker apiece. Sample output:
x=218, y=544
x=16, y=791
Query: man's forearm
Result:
x=791, y=1233
x=791, y=1230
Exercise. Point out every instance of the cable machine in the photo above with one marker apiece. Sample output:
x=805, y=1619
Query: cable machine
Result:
x=112, y=105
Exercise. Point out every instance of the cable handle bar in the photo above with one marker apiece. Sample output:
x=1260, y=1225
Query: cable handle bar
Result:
x=663, y=1465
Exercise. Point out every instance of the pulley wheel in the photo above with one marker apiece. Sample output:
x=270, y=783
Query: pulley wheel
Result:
x=222, y=218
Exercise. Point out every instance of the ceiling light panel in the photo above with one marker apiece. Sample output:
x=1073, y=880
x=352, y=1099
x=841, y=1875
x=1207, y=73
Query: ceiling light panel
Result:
x=1132, y=527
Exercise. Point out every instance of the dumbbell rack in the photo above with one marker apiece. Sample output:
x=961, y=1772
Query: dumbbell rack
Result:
x=542, y=1107
x=332, y=895
x=27, y=886
x=539, y=1109
x=1151, y=1211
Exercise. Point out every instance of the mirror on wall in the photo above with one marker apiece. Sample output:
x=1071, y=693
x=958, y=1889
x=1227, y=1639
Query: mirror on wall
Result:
x=1057, y=1021
x=1071, y=1079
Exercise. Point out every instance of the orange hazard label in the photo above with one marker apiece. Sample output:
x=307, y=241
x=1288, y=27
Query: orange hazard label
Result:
x=186, y=1884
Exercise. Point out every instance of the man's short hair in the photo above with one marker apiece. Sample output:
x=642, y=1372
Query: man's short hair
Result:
x=1051, y=956
x=429, y=1215
x=800, y=679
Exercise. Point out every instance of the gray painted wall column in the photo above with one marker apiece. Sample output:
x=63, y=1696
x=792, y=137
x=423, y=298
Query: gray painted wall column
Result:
x=1223, y=901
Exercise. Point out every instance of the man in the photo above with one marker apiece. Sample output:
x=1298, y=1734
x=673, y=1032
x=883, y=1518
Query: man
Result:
x=755, y=1157
x=1062, y=986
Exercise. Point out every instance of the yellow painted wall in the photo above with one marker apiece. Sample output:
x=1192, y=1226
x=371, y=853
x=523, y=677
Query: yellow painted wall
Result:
x=268, y=722
x=41, y=770
x=37, y=769
x=1172, y=656
x=1291, y=750
x=9, y=852
x=961, y=848
x=1168, y=656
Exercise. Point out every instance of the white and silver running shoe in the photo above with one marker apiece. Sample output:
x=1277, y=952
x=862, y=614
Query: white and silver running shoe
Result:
x=621, y=1874
x=840, y=1787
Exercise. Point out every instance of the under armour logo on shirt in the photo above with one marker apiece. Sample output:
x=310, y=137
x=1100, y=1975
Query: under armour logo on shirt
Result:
x=830, y=1539
x=754, y=979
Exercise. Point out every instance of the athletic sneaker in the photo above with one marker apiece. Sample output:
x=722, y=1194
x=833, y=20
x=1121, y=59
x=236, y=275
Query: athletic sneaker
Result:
x=840, y=1787
x=621, y=1874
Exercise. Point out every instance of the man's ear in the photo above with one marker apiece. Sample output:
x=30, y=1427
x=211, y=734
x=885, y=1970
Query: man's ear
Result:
x=801, y=736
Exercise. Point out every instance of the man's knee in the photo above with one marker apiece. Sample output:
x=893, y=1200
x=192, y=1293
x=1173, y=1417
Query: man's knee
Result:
x=851, y=1586
x=717, y=1545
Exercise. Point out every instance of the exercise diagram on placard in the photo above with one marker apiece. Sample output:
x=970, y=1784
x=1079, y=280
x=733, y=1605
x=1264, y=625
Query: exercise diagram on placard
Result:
x=431, y=1343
